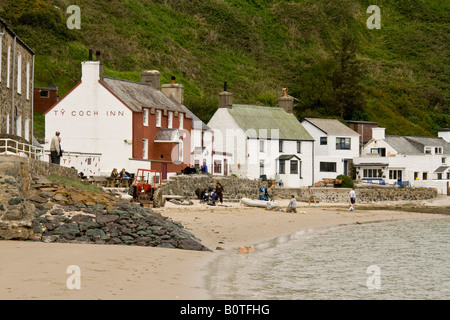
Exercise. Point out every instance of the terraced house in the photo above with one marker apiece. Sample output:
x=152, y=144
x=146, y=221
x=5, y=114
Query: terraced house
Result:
x=108, y=123
x=264, y=142
x=16, y=85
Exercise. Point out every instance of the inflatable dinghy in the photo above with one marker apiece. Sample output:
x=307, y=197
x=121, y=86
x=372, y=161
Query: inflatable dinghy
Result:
x=260, y=203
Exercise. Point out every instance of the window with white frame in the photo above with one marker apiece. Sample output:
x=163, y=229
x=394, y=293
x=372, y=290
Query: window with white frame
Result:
x=28, y=81
x=145, y=117
x=261, y=167
x=8, y=66
x=19, y=73
x=170, y=120
x=261, y=145
x=27, y=129
x=145, y=149
x=294, y=167
x=181, y=120
x=299, y=147
x=19, y=126
x=158, y=118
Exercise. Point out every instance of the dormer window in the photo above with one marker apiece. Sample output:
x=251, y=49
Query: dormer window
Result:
x=438, y=150
x=428, y=150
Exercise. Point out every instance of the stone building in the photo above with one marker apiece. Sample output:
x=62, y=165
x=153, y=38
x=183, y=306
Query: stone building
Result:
x=16, y=84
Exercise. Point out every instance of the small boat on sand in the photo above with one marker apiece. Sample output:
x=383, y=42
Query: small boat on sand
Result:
x=269, y=205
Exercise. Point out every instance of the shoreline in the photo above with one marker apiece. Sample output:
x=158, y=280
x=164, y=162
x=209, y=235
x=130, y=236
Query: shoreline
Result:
x=36, y=270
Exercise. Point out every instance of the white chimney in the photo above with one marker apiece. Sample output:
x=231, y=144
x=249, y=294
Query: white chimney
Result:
x=378, y=133
x=444, y=134
x=90, y=71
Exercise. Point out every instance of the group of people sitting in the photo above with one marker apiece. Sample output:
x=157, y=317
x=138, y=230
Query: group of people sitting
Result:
x=191, y=169
x=210, y=195
x=122, y=174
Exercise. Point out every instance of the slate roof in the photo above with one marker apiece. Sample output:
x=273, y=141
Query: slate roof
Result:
x=415, y=145
x=167, y=135
x=332, y=127
x=138, y=95
x=196, y=122
x=256, y=120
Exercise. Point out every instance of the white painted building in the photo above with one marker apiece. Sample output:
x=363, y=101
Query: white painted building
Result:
x=108, y=123
x=264, y=142
x=335, y=147
x=414, y=161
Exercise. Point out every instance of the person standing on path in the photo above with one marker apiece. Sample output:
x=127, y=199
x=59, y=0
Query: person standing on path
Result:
x=55, y=149
x=352, y=196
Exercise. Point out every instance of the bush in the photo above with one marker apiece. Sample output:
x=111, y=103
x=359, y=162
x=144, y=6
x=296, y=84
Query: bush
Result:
x=347, y=182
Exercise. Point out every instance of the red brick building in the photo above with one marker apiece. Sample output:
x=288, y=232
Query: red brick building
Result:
x=44, y=98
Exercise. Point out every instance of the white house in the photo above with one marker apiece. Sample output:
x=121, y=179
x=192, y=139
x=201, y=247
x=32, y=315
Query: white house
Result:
x=264, y=142
x=415, y=161
x=335, y=147
x=108, y=123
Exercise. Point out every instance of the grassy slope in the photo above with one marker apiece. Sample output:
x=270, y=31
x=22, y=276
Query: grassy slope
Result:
x=258, y=46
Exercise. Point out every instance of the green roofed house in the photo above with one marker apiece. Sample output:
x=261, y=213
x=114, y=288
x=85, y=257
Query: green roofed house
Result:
x=265, y=142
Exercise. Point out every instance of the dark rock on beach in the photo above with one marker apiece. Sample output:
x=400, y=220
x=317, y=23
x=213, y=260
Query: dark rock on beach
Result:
x=62, y=213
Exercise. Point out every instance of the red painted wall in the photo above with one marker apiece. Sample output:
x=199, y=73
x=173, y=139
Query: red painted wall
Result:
x=160, y=152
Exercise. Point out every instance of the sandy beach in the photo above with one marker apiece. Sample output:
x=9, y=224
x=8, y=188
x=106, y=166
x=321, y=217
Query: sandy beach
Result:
x=36, y=270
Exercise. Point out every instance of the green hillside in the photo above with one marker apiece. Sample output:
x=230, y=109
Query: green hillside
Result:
x=321, y=50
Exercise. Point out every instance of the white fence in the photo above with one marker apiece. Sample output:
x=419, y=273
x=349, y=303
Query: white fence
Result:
x=13, y=147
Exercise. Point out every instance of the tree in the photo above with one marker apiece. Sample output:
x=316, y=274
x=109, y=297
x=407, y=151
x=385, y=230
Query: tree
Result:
x=346, y=78
x=332, y=87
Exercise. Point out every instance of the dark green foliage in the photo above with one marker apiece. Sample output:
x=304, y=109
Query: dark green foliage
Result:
x=347, y=182
x=321, y=50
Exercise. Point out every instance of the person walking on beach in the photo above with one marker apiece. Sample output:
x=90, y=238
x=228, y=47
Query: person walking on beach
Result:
x=311, y=197
x=55, y=149
x=352, y=196
x=292, y=207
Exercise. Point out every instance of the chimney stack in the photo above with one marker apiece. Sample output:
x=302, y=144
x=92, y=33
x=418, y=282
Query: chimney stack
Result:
x=378, y=133
x=225, y=97
x=152, y=78
x=286, y=102
x=98, y=58
x=174, y=90
x=444, y=133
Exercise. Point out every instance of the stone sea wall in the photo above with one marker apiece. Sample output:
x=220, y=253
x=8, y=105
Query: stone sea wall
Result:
x=236, y=188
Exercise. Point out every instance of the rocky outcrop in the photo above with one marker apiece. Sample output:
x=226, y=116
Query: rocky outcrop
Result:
x=69, y=214
x=34, y=208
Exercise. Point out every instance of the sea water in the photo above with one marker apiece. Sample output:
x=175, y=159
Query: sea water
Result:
x=407, y=259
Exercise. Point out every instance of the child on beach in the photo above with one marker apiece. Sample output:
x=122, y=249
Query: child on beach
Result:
x=352, y=196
